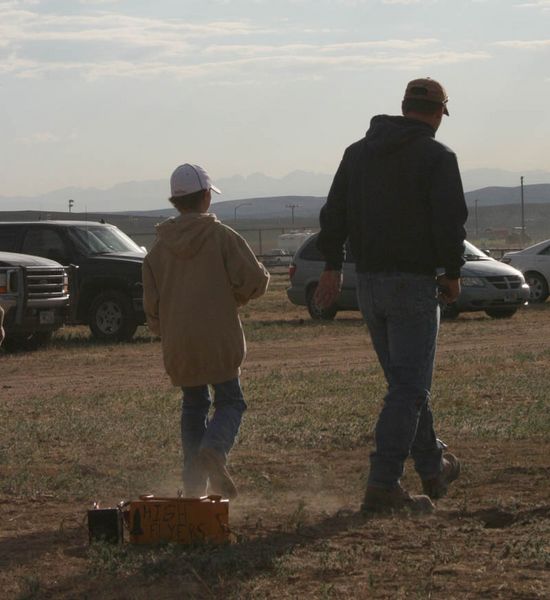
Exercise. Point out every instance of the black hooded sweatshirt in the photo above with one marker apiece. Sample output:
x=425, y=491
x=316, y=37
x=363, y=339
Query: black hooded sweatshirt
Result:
x=398, y=197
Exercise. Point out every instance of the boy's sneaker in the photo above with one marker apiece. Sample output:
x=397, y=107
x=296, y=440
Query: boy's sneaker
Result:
x=213, y=463
x=382, y=500
x=437, y=487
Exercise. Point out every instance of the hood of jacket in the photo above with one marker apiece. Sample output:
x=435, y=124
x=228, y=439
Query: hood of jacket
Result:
x=388, y=134
x=186, y=233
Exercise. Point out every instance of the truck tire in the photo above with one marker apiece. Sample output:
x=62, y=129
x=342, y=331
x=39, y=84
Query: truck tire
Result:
x=112, y=317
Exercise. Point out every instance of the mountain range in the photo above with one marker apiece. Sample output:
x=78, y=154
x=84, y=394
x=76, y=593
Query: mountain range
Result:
x=489, y=186
x=491, y=209
x=307, y=207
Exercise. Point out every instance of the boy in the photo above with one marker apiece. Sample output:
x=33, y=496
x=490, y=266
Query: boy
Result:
x=196, y=275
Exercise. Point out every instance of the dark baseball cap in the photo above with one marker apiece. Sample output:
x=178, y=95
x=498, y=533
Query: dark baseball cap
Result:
x=427, y=89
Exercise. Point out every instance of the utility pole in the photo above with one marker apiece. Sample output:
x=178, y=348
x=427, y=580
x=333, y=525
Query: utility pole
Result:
x=475, y=213
x=71, y=203
x=293, y=207
x=522, y=215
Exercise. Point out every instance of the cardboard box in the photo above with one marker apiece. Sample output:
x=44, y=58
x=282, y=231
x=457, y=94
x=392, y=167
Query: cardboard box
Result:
x=184, y=520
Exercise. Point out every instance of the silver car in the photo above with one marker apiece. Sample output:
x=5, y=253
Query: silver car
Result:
x=534, y=263
x=487, y=284
x=276, y=258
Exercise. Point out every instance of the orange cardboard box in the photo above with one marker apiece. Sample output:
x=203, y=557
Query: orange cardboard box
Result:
x=183, y=520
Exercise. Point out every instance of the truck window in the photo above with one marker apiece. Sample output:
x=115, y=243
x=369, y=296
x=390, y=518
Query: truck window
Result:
x=102, y=240
x=46, y=242
x=8, y=239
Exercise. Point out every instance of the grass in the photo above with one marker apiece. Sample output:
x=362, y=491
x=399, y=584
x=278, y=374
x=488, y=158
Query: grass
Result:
x=124, y=440
x=105, y=440
x=107, y=427
x=300, y=329
x=294, y=410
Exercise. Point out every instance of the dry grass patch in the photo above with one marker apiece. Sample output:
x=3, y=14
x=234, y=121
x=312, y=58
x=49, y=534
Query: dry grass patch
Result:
x=82, y=421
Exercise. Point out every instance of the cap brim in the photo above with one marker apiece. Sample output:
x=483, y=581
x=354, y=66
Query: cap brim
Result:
x=218, y=191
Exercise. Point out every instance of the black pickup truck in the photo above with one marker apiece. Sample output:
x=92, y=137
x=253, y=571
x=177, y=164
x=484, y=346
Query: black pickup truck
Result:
x=109, y=289
x=34, y=293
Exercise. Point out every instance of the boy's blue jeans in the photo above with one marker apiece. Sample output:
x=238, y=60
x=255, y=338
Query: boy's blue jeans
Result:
x=402, y=313
x=218, y=433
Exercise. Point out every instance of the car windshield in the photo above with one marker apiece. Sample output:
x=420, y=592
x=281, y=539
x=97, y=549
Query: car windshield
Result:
x=473, y=253
x=103, y=240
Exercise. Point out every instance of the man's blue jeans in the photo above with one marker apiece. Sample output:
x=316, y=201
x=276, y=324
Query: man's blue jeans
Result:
x=402, y=313
x=218, y=433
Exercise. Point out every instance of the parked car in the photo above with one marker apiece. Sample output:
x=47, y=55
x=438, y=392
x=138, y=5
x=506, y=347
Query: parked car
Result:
x=534, y=263
x=34, y=293
x=276, y=258
x=487, y=284
x=109, y=289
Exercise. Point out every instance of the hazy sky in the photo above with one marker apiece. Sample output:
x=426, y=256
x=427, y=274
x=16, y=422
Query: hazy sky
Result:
x=95, y=92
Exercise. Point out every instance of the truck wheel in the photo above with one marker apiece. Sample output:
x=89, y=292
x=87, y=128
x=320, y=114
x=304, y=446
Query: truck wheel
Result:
x=112, y=317
x=316, y=313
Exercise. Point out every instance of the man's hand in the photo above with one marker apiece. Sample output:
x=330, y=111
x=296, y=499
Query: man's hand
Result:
x=449, y=289
x=330, y=284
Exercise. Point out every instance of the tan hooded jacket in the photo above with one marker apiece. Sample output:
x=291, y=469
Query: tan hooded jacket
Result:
x=194, y=277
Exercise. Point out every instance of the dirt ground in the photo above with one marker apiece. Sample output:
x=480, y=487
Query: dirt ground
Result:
x=299, y=533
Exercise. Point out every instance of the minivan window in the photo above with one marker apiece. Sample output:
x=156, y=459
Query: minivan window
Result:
x=311, y=252
x=473, y=253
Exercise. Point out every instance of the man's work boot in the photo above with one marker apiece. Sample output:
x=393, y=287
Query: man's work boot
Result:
x=382, y=500
x=437, y=487
x=213, y=463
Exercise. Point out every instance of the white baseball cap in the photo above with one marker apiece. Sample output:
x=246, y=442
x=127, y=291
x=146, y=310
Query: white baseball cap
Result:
x=188, y=179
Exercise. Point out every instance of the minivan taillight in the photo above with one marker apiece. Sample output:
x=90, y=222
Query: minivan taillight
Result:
x=291, y=271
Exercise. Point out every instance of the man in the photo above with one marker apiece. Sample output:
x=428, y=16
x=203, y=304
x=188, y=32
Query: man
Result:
x=1, y=325
x=398, y=197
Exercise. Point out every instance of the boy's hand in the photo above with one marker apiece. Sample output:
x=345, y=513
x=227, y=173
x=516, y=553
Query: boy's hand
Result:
x=330, y=284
